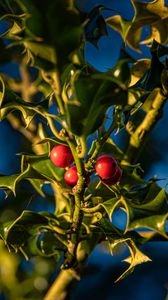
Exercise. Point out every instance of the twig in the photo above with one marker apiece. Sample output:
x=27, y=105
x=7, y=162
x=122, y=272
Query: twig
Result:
x=99, y=144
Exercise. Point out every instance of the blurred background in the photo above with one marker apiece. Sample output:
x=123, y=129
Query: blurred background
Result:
x=21, y=279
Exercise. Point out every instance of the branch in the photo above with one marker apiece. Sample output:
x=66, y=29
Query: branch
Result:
x=61, y=286
x=139, y=136
x=78, y=191
x=63, y=283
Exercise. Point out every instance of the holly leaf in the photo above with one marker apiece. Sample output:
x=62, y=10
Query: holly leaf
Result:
x=153, y=14
x=138, y=69
x=154, y=203
x=51, y=141
x=152, y=77
x=119, y=24
x=9, y=102
x=8, y=183
x=136, y=256
x=154, y=222
x=151, y=215
x=43, y=166
x=42, y=56
x=49, y=245
x=116, y=237
x=111, y=148
x=26, y=234
x=91, y=219
x=94, y=25
x=130, y=178
x=37, y=169
x=16, y=22
x=57, y=31
x=90, y=98
x=27, y=224
x=37, y=184
x=110, y=206
x=101, y=191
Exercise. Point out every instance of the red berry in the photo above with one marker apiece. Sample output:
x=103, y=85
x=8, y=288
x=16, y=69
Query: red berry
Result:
x=106, y=166
x=71, y=176
x=61, y=156
x=114, y=179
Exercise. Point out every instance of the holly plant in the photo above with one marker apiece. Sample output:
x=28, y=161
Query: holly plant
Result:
x=64, y=106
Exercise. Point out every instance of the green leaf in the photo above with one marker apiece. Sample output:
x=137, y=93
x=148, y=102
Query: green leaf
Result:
x=10, y=182
x=16, y=24
x=36, y=169
x=164, y=80
x=122, y=71
x=43, y=166
x=161, y=49
x=157, y=203
x=37, y=184
x=136, y=97
x=154, y=222
x=119, y=24
x=153, y=14
x=101, y=191
x=27, y=234
x=151, y=215
x=136, y=256
x=54, y=24
x=50, y=246
x=9, y=102
x=110, y=206
x=152, y=77
x=91, y=96
x=138, y=69
x=129, y=179
x=51, y=141
x=92, y=219
x=28, y=224
x=111, y=148
x=95, y=26
x=42, y=56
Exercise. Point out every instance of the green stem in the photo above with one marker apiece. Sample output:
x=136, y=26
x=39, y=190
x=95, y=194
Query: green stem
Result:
x=99, y=144
x=53, y=128
x=53, y=79
x=77, y=159
x=59, y=230
x=91, y=209
x=83, y=147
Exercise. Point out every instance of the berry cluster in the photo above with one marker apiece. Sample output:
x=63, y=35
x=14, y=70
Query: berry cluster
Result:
x=106, y=166
x=108, y=170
